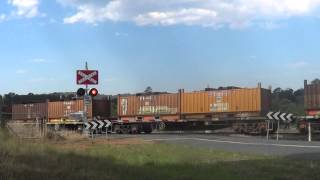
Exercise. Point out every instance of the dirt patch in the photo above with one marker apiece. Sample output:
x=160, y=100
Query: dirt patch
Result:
x=85, y=143
x=80, y=142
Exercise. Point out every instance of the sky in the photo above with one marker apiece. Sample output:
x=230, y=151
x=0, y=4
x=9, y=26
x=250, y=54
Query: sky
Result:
x=167, y=45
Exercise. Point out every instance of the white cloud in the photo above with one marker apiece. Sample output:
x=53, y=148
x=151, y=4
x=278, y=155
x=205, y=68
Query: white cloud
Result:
x=52, y=20
x=183, y=16
x=121, y=34
x=25, y=8
x=298, y=64
x=271, y=25
x=21, y=71
x=41, y=80
x=38, y=60
x=3, y=17
x=213, y=13
x=90, y=13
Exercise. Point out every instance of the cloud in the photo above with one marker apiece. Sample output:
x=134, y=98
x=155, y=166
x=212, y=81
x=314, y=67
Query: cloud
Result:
x=209, y=13
x=190, y=16
x=271, y=25
x=110, y=80
x=3, y=17
x=121, y=34
x=38, y=60
x=298, y=64
x=252, y=58
x=25, y=8
x=41, y=80
x=21, y=71
x=52, y=20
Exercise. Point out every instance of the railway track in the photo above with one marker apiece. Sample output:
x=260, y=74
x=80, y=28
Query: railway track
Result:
x=283, y=135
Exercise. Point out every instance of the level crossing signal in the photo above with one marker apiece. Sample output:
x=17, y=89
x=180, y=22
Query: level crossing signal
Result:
x=93, y=92
x=81, y=92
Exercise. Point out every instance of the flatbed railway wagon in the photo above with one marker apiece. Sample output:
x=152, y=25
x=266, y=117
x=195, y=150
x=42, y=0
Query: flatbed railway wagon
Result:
x=243, y=109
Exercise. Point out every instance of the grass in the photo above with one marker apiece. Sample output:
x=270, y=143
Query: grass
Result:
x=141, y=162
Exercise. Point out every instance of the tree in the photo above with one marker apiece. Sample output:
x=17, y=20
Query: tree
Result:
x=148, y=90
x=287, y=94
x=288, y=100
x=299, y=92
x=315, y=81
x=277, y=91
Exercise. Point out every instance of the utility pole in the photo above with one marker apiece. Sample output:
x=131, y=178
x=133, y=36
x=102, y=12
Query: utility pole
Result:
x=85, y=107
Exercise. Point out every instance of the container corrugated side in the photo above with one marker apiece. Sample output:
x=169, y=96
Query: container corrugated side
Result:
x=312, y=96
x=266, y=100
x=29, y=111
x=145, y=105
x=225, y=101
x=62, y=109
x=101, y=108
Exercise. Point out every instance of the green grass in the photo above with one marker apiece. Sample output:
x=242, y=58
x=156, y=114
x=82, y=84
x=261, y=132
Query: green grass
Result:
x=142, y=162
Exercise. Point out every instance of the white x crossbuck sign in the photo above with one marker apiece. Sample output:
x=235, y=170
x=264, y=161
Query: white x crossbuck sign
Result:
x=85, y=77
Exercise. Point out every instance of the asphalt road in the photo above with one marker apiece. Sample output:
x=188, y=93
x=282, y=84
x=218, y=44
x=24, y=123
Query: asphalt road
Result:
x=239, y=143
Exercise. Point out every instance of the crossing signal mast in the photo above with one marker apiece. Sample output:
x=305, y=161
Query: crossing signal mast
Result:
x=87, y=77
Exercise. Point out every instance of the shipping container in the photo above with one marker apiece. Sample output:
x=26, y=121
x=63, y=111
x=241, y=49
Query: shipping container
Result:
x=195, y=105
x=59, y=110
x=101, y=108
x=234, y=101
x=311, y=96
x=149, y=107
x=62, y=109
x=29, y=111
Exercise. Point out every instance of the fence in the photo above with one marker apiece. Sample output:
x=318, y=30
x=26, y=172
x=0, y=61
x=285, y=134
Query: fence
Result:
x=25, y=129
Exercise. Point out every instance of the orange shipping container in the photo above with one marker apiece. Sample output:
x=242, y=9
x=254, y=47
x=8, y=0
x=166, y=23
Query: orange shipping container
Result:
x=162, y=104
x=311, y=96
x=226, y=101
x=59, y=109
x=62, y=109
x=29, y=111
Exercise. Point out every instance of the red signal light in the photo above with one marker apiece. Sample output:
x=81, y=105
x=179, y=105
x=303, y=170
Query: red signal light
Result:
x=93, y=92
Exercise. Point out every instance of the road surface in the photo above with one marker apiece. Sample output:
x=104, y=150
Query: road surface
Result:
x=238, y=143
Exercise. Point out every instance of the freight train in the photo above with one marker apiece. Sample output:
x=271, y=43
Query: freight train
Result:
x=243, y=109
